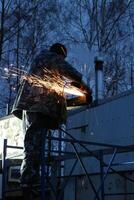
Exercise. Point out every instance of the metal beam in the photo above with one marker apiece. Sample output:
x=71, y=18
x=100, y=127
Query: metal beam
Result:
x=14, y=147
x=98, y=158
x=102, y=174
x=74, y=140
x=66, y=182
x=4, y=169
x=43, y=164
x=83, y=167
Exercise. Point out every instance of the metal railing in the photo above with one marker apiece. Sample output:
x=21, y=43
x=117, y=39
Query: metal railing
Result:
x=99, y=192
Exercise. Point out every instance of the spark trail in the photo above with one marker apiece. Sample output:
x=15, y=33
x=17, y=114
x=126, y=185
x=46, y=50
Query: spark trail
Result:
x=51, y=80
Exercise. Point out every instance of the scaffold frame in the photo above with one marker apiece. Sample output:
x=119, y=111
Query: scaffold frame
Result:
x=109, y=149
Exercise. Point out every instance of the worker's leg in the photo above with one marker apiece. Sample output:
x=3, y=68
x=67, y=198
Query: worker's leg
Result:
x=32, y=152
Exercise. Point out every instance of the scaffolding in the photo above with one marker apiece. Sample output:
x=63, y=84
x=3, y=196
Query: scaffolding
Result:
x=54, y=182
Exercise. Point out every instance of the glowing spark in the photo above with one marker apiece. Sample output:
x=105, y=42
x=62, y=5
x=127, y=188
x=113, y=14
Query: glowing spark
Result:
x=14, y=74
x=13, y=71
x=73, y=91
x=6, y=69
x=52, y=80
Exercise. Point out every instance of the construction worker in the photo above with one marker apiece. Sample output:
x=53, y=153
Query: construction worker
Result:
x=39, y=107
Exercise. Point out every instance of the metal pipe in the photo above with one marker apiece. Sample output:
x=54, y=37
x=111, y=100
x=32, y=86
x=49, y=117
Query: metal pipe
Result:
x=110, y=163
x=65, y=183
x=104, y=175
x=120, y=193
x=86, y=142
x=99, y=82
x=14, y=147
x=101, y=176
x=4, y=168
x=97, y=157
x=43, y=134
x=83, y=167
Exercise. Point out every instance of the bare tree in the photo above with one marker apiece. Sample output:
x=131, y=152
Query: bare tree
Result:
x=2, y=17
x=28, y=27
x=99, y=24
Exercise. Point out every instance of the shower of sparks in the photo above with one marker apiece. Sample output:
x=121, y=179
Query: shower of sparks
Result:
x=14, y=71
x=51, y=80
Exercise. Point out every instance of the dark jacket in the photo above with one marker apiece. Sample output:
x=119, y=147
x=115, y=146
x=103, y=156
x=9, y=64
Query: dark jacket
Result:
x=37, y=99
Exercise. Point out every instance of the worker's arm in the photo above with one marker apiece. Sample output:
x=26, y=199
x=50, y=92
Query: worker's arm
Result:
x=77, y=79
x=52, y=62
x=68, y=71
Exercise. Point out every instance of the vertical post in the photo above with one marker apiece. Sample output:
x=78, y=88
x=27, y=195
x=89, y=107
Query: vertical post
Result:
x=7, y=109
x=131, y=78
x=59, y=149
x=66, y=181
x=43, y=164
x=99, y=82
x=54, y=173
x=4, y=168
x=102, y=175
x=75, y=187
x=49, y=151
x=86, y=172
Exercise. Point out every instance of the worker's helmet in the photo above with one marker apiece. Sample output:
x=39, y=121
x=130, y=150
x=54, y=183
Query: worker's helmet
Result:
x=59, y=49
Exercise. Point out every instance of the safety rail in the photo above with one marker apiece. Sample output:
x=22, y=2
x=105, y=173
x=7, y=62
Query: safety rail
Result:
x=4, y=165
x=99, y=193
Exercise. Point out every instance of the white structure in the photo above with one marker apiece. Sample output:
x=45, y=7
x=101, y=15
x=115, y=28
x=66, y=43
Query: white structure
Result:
x=111, y=121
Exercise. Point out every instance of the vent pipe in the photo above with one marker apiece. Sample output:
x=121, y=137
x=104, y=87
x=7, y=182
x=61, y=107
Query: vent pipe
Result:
x=99, y=79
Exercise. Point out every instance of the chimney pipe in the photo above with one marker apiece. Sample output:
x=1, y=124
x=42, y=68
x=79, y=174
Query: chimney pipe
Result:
x=99, y=79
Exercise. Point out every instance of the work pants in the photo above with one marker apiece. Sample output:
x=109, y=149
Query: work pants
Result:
x=32, y=148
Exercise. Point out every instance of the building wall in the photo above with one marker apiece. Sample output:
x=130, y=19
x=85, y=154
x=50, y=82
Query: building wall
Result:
x=110, y=122
x=80, y=189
